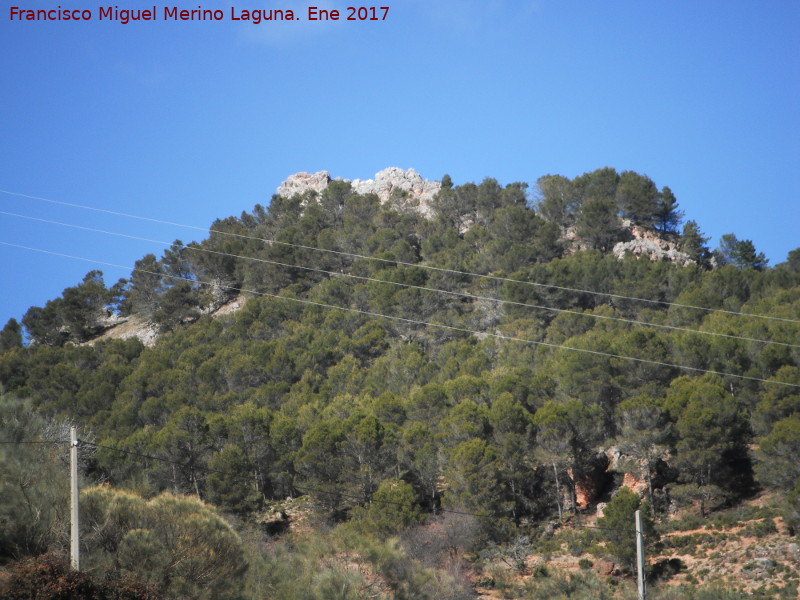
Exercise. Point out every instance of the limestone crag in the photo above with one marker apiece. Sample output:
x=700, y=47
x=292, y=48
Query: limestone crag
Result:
x=650, y=244
x=129, y=327
x=123, y=328
x=303, y=182
x=406, y=189
x=415, y=192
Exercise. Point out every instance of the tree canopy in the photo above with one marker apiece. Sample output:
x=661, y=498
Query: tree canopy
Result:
x=397, y=370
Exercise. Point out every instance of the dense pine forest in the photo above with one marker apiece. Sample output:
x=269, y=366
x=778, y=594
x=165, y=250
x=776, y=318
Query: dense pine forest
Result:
x=350, y=398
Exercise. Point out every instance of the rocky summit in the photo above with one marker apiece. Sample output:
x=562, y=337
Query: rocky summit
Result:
x=406, y=188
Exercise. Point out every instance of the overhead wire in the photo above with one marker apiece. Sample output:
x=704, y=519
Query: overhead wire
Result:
x=402, y=263
x=405, y=285
x=37, y=442
x=393, y=317
x=418, y=322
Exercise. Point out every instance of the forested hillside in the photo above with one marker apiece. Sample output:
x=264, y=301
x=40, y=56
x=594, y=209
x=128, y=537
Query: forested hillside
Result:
x=420, y=396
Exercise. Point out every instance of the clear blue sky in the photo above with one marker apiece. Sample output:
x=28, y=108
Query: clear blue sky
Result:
x=192, y=121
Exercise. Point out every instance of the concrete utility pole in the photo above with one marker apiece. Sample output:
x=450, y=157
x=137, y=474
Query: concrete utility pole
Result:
x=640, y=574
x=75, y=537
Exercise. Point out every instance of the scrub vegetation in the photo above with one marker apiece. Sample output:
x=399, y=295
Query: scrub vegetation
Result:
x=430, y=408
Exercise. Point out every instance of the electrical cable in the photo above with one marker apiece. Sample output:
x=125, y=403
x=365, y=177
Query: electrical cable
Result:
x=419, y=322
x=404, y=285
x=397, y=262
x=41, y=442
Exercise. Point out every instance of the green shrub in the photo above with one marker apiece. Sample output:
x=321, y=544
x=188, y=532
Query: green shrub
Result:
x=666, y=568
x=760, y=529
x=49, y=577
x=540, y=570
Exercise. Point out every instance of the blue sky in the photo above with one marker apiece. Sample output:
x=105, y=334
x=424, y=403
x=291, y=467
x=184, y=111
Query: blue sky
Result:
x=188, y=122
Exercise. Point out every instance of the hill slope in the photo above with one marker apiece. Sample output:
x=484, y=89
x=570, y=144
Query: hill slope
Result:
x=486, y=357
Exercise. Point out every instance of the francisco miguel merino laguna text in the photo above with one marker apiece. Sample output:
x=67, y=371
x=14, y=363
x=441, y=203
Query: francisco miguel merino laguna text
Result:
x=175, y=13
x=168, y=13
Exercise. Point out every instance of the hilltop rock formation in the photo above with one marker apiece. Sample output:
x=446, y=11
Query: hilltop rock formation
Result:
x=651, y=244
x=406, y=188
x=303, y=182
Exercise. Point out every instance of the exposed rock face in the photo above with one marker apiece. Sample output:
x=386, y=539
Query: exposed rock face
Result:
x=415, y=192
x=406, y=188
x=123, y=328
x=648, y=243
x=127, y=328
x=231, y=307
x=302, y=182
x=635, y=484
x=629, y=480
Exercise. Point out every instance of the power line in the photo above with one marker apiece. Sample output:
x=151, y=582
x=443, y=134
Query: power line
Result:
x=405, y=285
x=419, y=322
x=397, y=262
x=38, y=442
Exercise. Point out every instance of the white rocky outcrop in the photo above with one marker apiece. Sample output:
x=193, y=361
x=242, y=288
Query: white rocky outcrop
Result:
x=415, y=191
x=129, y=327
x=650, y=244
x=123, y=328
x=406, y=188
x=303, y=182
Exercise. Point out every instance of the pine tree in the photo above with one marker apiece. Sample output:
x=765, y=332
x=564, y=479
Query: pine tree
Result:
x=693, y=243
x=667, y=217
